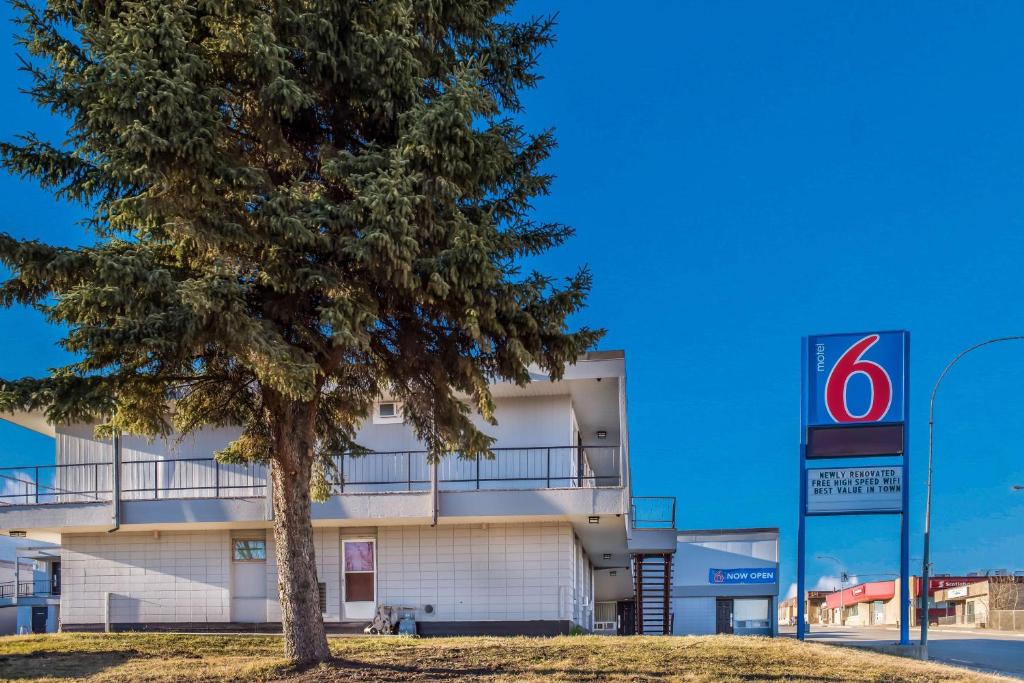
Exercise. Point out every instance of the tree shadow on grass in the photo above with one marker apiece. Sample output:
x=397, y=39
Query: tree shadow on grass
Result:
x=66, y=664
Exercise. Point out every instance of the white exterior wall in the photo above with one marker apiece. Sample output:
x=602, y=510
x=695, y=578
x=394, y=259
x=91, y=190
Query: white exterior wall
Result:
x=179, y=577
x=327, y=546
x=693, y=616
x=493, y=572
x=501, y=572
x=522, y=423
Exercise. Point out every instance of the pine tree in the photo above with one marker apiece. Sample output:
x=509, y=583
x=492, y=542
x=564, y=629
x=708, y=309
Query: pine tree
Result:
x=294, y=208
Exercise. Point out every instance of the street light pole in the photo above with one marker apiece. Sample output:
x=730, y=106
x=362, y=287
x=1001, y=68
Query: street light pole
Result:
x=925, y=561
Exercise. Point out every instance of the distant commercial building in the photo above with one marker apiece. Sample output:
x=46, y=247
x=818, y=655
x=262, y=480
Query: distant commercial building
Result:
x=877, y=603
x=726, y=581
x=867, y=604
x=996, y=602
x=815, y=609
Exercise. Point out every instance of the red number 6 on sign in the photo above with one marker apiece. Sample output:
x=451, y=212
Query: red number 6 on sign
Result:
x=848, y=365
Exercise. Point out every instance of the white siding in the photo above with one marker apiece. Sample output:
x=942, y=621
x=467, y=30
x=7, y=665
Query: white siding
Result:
x=693, y=616
x=78, y=448
x=497, y=572
x=180, y=577
x=522, y=423
x=501, y=572
x=327, y=546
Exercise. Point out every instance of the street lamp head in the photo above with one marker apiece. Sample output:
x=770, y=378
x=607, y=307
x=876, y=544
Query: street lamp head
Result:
x=1017, y=487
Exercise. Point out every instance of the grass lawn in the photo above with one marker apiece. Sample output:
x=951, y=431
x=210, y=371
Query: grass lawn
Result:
x=168, y=657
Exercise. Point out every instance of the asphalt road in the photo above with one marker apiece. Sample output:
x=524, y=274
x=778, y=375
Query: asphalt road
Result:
x=995, y=651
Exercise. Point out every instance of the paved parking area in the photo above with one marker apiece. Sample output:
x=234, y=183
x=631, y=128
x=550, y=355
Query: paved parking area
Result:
x=995, y=651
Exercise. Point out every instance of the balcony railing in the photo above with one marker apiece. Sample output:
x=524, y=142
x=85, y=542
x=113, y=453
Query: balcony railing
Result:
x=544, y=467
x=654, y=512
x=78, y=483
x=34, y=588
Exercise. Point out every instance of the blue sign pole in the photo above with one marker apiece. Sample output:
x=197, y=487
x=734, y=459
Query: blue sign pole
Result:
x=801, y=533
x=801, y=548
x=905, y=597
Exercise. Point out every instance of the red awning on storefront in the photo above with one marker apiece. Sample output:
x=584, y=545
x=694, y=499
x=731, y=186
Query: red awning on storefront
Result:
x=864, y=592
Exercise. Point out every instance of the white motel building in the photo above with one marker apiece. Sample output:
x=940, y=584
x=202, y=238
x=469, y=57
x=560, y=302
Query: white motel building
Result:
x=547, y=536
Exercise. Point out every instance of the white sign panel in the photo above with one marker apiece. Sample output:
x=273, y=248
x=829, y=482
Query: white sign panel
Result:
x=854, y=489
x=960, y=592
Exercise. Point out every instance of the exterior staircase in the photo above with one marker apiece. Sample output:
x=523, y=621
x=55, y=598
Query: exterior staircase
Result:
x=652, y=573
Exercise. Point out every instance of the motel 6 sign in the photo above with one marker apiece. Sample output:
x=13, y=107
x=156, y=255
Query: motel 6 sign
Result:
x=855, y=389
x=855, y=378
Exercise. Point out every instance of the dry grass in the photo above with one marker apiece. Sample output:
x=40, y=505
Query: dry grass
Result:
x=165, y=657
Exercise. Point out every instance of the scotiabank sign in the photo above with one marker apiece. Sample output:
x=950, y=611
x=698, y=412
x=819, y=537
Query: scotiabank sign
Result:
x=939, y=583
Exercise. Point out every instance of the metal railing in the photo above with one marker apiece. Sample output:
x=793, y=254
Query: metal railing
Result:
x=191, y=478
x=41, y=484
x=543, y=467
x=32, y=588
x=653, y=512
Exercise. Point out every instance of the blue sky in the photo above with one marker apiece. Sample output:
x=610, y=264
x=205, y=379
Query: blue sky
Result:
x=741, y=174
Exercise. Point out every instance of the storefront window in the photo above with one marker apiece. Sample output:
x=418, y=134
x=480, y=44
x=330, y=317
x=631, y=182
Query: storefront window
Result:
x=751, y=613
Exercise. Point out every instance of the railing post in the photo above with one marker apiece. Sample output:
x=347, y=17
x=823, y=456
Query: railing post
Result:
x=96, y=481
x=478, y=472
x=408, y=470
x=216, y=478
x=622, y=478
x=156, y=479
x=343, y=473
x=549, y=467
x=579, y=467
x=37, y=484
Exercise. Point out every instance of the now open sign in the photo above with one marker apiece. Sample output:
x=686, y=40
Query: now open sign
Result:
x=741, y=575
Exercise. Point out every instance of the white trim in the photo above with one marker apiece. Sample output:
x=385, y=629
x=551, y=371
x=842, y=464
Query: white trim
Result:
x=397, y=418
x=345, y=616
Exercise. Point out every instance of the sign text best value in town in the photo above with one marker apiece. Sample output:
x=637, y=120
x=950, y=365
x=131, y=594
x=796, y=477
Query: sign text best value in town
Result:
x=854, y=489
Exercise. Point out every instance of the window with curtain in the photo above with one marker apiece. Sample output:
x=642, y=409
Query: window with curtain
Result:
x=359, y=571
x=751, y=613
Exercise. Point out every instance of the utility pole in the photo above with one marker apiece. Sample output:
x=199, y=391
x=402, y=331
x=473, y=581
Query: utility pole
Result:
x=843, y=578
x=926, y=559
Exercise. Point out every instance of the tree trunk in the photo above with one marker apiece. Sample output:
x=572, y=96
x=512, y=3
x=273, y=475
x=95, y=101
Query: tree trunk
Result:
x=291, y=469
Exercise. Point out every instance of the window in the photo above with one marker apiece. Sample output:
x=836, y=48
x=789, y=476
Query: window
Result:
x=249, y=550
x=360, y=571
x=751, y=613
x=388, y=412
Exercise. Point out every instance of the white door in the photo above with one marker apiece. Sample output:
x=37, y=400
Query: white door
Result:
x=248, y=580
x=879, y=613
x=359, y=578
